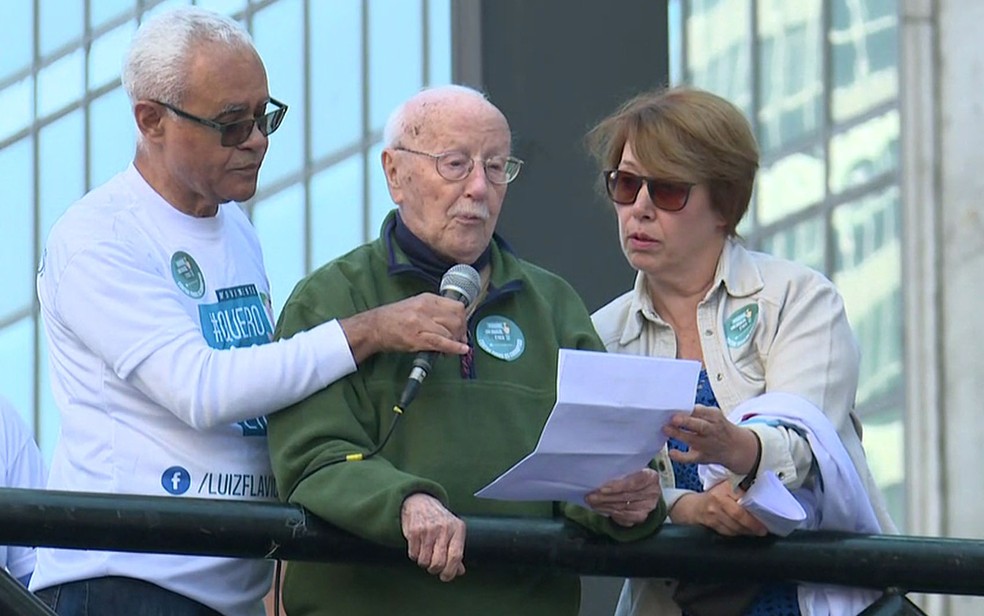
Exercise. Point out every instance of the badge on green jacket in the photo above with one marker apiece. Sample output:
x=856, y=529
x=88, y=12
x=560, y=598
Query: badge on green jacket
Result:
x=500, y=337
x=739, y=326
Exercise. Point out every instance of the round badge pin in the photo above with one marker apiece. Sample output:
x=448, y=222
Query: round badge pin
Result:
x=187, y=275
x=500, y=337
x=739, y=326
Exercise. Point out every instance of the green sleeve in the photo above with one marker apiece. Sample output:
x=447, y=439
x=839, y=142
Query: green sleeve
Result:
x=363, y=497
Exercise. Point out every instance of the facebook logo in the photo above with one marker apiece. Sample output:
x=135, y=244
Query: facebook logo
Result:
x=176, y=480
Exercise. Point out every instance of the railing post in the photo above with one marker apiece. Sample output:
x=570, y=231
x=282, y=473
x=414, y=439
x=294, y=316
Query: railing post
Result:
x=15, y=599
x=893, y=603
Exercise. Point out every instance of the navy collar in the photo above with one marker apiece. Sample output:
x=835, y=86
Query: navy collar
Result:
x=427, y=262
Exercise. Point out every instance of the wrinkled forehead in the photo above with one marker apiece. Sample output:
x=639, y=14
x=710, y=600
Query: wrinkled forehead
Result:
x=462, y=122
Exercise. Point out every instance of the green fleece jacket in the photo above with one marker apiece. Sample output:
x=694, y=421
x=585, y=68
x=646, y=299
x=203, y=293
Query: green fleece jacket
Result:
x=463, y=430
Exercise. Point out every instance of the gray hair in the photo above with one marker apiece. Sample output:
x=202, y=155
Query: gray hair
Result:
x=397, y=124
x=157, y=61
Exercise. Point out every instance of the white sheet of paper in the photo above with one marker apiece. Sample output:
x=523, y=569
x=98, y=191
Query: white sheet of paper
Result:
x=607, y=422
x=773, y=505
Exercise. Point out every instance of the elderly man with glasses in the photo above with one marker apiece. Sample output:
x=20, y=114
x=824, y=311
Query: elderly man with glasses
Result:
x=341, y=454
x=157, y=313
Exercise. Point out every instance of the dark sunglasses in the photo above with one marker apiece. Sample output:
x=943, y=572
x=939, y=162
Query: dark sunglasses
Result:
x=623, y=188
x=236, y=133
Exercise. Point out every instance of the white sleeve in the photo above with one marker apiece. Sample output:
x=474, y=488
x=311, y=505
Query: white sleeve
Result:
x=130, y=318
x=672, y=495
x=206, y=387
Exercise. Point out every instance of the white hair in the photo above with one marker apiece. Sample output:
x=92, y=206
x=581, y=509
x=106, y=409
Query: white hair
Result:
x=397, y=124
x=156, y=64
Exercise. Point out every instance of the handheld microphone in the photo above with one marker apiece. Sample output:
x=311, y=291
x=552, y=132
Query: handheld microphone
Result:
x=460, y=282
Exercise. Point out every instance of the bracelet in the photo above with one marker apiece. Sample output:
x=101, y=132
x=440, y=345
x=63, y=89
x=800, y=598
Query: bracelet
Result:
x=749, y=479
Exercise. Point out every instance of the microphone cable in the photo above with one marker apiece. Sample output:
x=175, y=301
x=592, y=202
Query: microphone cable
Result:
x=351, y=457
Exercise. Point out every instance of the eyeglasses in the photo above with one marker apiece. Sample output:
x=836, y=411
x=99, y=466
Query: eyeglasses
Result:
x=236, y=133
x=623, y=188
x=455, y=166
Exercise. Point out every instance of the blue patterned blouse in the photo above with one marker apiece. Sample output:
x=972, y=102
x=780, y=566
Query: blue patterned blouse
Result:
x=775, y=599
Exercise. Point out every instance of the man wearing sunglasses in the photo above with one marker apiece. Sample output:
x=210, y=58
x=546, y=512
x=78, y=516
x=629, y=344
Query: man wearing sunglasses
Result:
x=157, y=313
x=448, y=164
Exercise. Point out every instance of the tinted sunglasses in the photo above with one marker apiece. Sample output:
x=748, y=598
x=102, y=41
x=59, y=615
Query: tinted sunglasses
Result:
x=623, y=188
x=236, y=133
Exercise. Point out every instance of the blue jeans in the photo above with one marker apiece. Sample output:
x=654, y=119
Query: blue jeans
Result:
x=119, y=596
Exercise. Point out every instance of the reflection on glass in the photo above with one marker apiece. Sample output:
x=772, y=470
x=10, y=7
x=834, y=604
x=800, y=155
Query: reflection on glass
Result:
x=50, y=419
x=106, y=54
x=867, y=271
x=335, y=31
x=15, y=100
x=17, y=366
x=284, y=59
x=226, y=7
x=395, y=56
x=803, y=243
x=164, y=6
x=790, y=184
x=439, y=45
x=336, y=210
x=17, y=249
x=864, y=152
x=101, y=11
x=61, y=181
x=61, y=83
x=864, y=55
x=114, y=135
x=279, y=222
x=380, y=202
x=790, y=83
x=60, y=23
x=747, y=224
x=719, y=49
x=884, y=444
x=674, y=42
x=18, y=38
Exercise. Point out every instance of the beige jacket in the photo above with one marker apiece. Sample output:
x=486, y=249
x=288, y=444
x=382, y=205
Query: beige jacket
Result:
x=766, y=324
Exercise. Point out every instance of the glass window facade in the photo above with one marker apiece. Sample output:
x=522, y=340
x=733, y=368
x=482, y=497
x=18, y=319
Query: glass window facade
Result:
x=340, y=65
x=818, y=79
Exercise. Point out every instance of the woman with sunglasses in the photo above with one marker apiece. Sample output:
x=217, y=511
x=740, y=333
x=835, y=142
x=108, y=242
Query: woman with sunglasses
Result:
x=679, y=166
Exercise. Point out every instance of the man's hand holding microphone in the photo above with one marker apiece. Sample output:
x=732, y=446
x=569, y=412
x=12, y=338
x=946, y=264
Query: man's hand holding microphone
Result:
x=425, y=322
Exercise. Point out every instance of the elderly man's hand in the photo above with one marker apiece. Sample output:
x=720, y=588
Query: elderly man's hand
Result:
x=628, y=500
x=435, y=536
x=425, y=322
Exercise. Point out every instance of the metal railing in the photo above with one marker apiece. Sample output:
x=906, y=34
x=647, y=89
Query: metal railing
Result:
x=891, y=563
x=14, y=599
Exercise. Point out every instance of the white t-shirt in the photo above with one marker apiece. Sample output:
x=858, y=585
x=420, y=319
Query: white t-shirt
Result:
x=21, y=466
x=158, y=326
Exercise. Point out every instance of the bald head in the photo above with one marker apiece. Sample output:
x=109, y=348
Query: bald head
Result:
x=421, y=115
